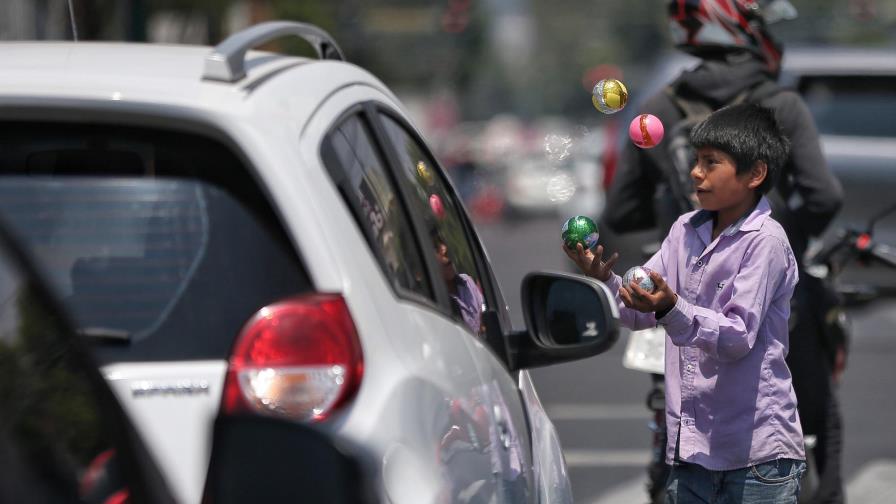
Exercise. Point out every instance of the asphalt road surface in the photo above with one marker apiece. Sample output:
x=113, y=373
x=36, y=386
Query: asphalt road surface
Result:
x=598, y=406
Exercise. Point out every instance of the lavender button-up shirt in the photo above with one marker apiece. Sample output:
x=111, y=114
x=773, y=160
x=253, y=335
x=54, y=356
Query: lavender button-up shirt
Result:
x=729, y=398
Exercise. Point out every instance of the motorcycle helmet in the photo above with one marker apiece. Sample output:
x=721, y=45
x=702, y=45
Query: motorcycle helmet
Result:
x=703, y=26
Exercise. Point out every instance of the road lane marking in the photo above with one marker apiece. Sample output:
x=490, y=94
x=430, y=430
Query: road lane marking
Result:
x=606, y=458
x=628, y=492
x=875, y=483
x=598, y=411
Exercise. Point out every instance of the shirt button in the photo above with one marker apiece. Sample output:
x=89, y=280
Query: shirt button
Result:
x=690, y=367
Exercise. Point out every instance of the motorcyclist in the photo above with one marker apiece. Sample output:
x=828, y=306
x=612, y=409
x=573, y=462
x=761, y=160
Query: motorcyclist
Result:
x=740, y=60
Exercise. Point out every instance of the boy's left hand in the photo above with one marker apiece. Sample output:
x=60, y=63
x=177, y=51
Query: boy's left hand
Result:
x=592, y=264
x=636, y=298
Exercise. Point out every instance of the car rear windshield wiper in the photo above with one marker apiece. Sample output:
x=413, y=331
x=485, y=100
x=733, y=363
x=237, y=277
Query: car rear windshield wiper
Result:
x=106, y=334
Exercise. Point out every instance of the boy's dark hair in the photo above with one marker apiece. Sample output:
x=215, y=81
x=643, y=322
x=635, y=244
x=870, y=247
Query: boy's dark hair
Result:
x=748, y=133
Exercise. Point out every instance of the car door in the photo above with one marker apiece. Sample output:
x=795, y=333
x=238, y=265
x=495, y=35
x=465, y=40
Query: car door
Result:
x=433, y=421
x=464, y=275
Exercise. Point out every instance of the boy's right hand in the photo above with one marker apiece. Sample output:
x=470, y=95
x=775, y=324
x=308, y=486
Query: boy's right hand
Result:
x=590, y=263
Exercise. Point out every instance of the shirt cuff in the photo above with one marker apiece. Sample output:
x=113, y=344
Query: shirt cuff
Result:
x=614, y=283
x=679, y=318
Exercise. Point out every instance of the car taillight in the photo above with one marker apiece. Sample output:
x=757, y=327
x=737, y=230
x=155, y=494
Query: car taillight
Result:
x=299, y=358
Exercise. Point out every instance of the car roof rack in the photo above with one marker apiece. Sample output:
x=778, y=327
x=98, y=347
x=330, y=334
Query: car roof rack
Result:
x=227, y=61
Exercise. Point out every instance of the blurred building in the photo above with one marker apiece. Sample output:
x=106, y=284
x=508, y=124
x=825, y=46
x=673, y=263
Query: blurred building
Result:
x=34, y=20
x=483, y=57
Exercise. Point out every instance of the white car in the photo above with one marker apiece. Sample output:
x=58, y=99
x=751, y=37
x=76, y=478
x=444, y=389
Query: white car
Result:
x=246, y=232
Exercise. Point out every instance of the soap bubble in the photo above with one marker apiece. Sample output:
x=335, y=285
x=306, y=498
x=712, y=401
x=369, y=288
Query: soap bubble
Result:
x=561, y=187
x=557, y=147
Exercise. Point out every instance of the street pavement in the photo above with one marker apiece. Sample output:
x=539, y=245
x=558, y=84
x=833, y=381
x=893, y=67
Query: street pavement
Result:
x=598, y=406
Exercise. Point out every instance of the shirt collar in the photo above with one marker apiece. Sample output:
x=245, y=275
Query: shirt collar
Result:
x=751, y=221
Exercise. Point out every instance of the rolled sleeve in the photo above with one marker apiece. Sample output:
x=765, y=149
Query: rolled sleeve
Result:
x=679, y=318
x=614, y=283
x=729, y=333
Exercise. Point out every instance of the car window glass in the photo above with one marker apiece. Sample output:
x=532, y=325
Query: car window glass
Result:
x=143, y=235
x=433, y=201
x=121, y=250
x=56, y=441
x=852, y=105
x=350, y=156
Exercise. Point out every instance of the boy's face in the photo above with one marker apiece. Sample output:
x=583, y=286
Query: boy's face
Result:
x=717, y=183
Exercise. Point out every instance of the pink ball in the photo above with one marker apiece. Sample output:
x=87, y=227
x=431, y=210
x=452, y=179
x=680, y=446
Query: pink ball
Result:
x=646, y=131
x=438, y=209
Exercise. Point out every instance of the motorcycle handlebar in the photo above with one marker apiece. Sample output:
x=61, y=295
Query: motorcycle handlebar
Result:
x=858, y=245
x=884, y=254
x=826, y=254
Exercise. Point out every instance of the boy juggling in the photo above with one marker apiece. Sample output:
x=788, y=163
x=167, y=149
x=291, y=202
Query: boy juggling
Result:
x=723, y=281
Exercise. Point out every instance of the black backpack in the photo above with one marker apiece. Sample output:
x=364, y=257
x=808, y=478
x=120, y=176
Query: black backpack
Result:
x=682, y=155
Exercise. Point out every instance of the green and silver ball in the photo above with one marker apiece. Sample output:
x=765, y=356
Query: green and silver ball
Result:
x=579, y=229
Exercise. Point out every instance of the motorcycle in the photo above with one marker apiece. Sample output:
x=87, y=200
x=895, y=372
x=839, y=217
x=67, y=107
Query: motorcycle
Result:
x=645, y=350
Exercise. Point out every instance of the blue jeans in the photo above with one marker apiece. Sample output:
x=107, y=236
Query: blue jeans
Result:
x=775, y=482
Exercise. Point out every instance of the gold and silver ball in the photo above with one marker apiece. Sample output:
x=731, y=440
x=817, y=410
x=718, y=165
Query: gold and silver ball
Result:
x=609, y=96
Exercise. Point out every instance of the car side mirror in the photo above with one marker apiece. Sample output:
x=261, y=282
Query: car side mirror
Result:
x=568, y=317
x=266, y=459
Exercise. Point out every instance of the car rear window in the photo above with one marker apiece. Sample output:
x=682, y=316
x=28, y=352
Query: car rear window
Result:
x=852, y=105
x=161, y=244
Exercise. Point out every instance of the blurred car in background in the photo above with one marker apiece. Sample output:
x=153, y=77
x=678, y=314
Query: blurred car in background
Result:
x=852, y=95
x=247, y=233
x=548, y=168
